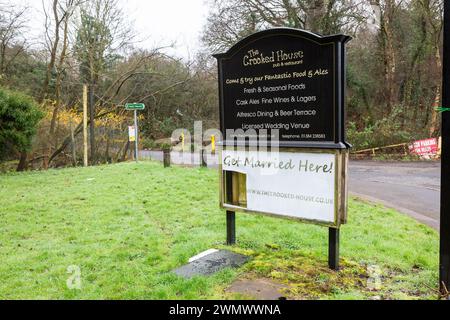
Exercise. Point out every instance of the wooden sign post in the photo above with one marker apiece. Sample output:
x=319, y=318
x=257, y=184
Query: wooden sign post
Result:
x=445, y=180
x=284, y=89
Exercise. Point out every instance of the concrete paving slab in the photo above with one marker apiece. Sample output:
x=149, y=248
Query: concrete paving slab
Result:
x=212, y=264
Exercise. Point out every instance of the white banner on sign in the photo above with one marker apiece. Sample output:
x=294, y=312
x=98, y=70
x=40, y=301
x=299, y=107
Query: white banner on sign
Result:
x=299, y=185
x=132, y=133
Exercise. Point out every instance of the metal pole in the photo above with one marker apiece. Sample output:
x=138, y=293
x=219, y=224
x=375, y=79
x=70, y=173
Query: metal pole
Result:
x=203, y=158
x=231, y=215
x=231, y=228
x=136, y=143
x=333, y=249
x=444, y=274
x=166, y=158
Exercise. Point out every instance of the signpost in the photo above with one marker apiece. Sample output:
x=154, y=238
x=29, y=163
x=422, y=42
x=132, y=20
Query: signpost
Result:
x=135, y=107
x=445, y=181
x=287, y=86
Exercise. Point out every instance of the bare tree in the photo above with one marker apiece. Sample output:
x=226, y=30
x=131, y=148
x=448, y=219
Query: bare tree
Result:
x=57, y=39
x=12, y=25
x=433, y=13
x=387, y=11
x=102, y=39
x=231, y=20
x=103, y=35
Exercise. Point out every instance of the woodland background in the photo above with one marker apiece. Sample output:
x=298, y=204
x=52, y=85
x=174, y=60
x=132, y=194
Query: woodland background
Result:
x=394, y=73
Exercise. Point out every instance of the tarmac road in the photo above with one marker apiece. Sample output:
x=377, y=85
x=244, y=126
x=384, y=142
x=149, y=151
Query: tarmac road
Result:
x=412, y=188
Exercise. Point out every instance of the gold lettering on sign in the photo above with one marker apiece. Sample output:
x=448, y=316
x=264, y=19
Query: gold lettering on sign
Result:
x=317, y=73
x=255, y=57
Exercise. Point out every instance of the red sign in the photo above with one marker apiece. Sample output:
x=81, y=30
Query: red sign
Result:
x=424, y=148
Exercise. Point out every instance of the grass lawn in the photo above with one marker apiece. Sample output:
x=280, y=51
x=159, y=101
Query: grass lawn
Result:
x=127, y=226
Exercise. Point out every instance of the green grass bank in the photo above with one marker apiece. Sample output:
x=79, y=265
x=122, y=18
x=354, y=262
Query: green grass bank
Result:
x=127, y=226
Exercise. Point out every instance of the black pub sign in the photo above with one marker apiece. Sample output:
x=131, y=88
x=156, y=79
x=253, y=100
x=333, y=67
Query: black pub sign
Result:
x=286, y=79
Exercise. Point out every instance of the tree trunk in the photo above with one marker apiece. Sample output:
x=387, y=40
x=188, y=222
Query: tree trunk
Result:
x=412, y=72
x=58, y=90
x=124, y=156
x=74, y=147
x=107, y=157
x=23, y=163
x=53, y=52
x=437, y=100
x=66, y=142
x=390, y=67
x=387, y=14
x=118, y=157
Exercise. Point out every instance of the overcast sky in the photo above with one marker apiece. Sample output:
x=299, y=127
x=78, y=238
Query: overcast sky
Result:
x=157, y=22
